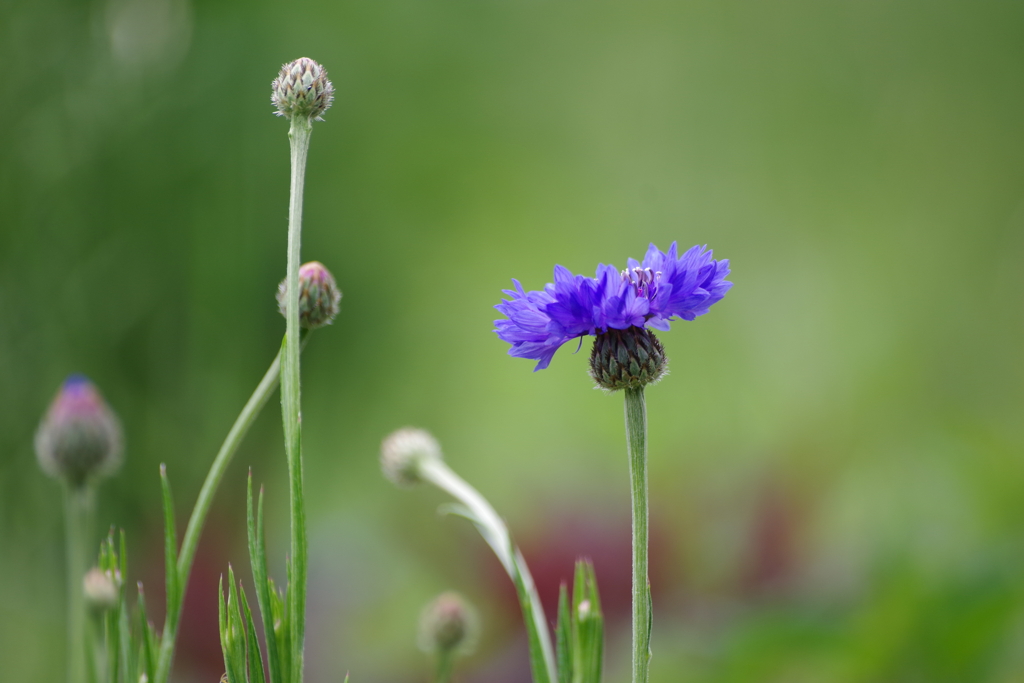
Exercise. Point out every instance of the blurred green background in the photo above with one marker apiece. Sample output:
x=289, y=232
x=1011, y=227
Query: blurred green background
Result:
x=836, y=457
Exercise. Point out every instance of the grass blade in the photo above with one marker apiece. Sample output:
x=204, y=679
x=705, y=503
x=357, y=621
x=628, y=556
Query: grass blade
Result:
x=258, y=559
x=538, y=663
x=281, y=627
x=228, y=632
x=563, y=638
x=253, y=654
x=170, y=544
x=588, y=625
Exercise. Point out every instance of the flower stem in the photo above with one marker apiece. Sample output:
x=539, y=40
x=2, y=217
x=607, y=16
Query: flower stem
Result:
x=189, y=544
x=298, y=134
x=636, y=442
x=445, y=667
x=494, y=531
x=78, y=504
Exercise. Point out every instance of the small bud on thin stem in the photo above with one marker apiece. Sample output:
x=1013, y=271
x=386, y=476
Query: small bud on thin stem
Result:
x=79, y=439
x=100, y=590
x=403, y=452
x=448, y=628
x=319, y=296
x=302, y=90
x=448, y=625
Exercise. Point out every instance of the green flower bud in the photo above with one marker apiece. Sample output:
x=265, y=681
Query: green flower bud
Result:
x=448, y=625
x=627, y=359
x=302, y=89
x=100, y=590
x=319, y=296
x=79, y=438
x=402, y=452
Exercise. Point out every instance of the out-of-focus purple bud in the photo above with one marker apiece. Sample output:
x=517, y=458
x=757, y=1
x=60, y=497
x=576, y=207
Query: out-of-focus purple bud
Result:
x=79, y=438
x=319, y=296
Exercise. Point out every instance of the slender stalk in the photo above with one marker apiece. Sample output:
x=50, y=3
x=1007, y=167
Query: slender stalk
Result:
x=494, y=531
x=299, y=133
x=636, y=442
x=239, y=429
x=445, y=667
x=78, y=504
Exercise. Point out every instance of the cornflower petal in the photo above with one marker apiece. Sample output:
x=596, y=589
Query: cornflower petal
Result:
x=649, y=293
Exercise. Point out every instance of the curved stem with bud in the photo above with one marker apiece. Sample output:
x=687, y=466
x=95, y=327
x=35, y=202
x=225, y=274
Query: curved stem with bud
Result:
x=187, y=554
x=494, y=531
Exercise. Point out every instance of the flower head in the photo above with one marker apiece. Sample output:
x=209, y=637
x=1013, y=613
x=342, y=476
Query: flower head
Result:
x=302, y=89
x=101, y=589
x=665, y=286
x=402, y=452
x=448, y=624
x=319, y=296
x=79, y=437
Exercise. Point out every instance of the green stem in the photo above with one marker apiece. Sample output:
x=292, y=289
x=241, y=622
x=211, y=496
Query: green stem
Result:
x=494, y=531
x=189, y=544
x=291, y=396
x=636, y=441
x=78, y=504
x=445, y=667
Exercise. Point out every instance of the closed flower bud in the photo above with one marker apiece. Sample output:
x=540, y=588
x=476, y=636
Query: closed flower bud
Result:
x=80, y=437
x=319, y=296
x=627, y=359
x=402, y=452
x=302, y=89
x=448, y=625
x=100, y=590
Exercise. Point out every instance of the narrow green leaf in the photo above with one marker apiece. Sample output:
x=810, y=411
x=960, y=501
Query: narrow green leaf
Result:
x=537, y=664
x=104, y=561
x=125, y=644
x=222, y=621
x=237, y=628
x=588, y=625
x=112, y=641
x=563, y=638
x=284, y=635
x=123, y=555
x=227, y=645
x=258, y=560
x=281, y=625
x=254, y=656
x=141, y=668
x=150, y=642
x=170, y=544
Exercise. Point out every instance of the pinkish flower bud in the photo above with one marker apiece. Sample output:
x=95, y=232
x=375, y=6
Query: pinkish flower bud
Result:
x=319, y=296
x=79, y=438
x=448, y=624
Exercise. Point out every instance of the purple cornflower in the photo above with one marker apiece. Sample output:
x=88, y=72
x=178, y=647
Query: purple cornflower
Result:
x=664, y=287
